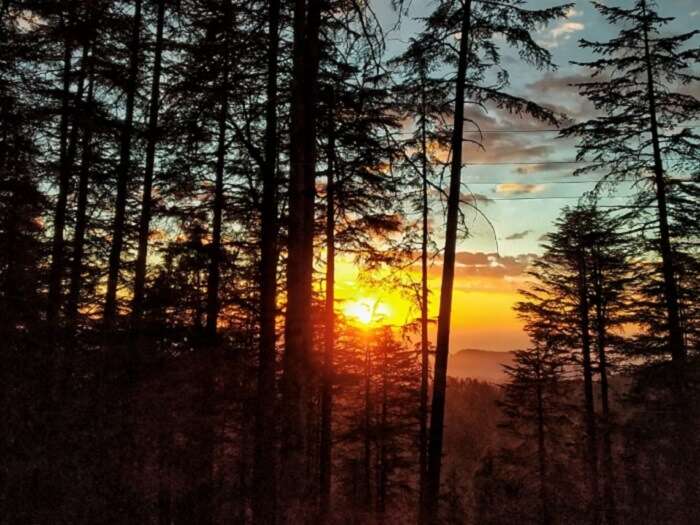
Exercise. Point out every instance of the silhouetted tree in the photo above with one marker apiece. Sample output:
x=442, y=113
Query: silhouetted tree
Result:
x=475, y=22
x=642, y=132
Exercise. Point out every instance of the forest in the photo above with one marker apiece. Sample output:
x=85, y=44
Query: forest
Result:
x=187, y=185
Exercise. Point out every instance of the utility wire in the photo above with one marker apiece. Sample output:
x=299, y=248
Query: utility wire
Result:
x=568, y=197
x=511, y=181
x=512, y=130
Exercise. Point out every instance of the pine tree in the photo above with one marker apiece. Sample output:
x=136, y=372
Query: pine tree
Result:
x=423, y=97
x=532, y=409
x=643, y=134
x=475, y=22
x=579, y=299
x=302, y=180
x=265, y=487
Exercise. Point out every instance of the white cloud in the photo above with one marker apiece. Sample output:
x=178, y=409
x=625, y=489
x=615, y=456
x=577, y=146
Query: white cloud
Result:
x=566, y=28
x=563, y=31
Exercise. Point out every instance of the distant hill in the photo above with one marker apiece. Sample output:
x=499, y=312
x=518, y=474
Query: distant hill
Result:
x=483, y=365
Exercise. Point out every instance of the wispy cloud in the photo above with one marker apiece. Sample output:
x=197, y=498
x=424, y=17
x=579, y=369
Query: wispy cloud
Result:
x=518, y=235
x=518, y=188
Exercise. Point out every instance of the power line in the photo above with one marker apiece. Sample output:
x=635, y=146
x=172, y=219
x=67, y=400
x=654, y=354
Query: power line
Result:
x=511, y=130
x=488, y=199
x=543, y=163
x=535, y=182
x=487, y=183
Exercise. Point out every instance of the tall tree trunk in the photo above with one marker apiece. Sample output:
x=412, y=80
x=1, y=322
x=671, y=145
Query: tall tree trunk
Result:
x=329, y=335
x=542, y=453
x=298, y=340
x=76, y=275
x=214, y=275
x=383, y=473
x=59, y=218
x=265, y=485
x=424, y=345
x=675, y=333
x=71, y=152
x=146, y=198
x=608, y=468
x=205, y=490
x=118, y=226
x=68, y=148
x=589, y=408
x=437, y=414
x=367, y=429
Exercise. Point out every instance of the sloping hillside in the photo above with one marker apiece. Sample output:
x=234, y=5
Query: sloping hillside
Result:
x=479, y=364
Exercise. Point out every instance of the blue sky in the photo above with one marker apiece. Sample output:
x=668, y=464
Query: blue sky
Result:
x=526, y=198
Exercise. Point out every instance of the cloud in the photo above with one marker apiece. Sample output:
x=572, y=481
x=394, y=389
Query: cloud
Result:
x=492, y=265
x=566, y=28
x=476, y=199
x=559, y=93
x=551, y=38
x=542, y=168
x=487, y=271
x=518, y=235
x=518, y=188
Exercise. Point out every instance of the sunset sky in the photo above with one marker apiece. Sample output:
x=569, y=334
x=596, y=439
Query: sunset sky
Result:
x=522, y=188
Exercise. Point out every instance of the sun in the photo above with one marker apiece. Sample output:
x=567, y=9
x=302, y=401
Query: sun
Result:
x=366, y=311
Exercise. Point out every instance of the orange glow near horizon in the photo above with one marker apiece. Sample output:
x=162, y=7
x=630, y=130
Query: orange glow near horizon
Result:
x=482, y=315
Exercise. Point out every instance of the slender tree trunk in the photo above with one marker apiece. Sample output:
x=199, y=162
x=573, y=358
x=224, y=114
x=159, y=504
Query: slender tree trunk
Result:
x=118, y=226
x=57, y=360
x=424, y=345
x=437, y=414
x=367, y=430
x=298, y=340
x=54, y=365
x=675, y=333
x=71, y=153
x=146, y=198
x=59, y=219
x=542, y=453
x=383, y=433
x=214, y=276
x=76, y=279
x=205, y=491
x=591, y=439
x=608, y=468
x=265, y=490
x=329, y=335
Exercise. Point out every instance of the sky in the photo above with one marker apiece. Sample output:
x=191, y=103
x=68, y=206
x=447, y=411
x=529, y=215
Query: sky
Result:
x=523, y=186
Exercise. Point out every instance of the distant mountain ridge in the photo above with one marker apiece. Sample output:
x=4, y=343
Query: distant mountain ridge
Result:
x=483, y=365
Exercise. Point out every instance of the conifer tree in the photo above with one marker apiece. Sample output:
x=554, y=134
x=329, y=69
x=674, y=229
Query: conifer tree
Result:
x=424, y=99
x=533, y=413
x=643, y=134
x=474, y=22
